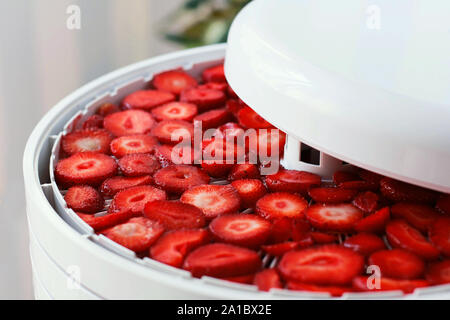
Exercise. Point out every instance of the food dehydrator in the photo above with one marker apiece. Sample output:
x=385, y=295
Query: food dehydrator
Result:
x=71, y=261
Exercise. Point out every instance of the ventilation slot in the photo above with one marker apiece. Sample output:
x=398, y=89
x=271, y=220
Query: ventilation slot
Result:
x=309, y=154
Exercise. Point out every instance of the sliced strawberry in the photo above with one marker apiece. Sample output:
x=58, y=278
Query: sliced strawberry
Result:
x=343, y=176
x=398, y=263
x=213, y=118
x=135, y=198
x=326, y=265
x=173, y=81
x=271, y=143
x=231, y=93
x=85, y=168
x=86, y=140
x=222, y=260
x=418, y=215
x=174, y=214
x=443, y=204
x=366, y=201
x=147, y=99
x=335, y=291
x=113, y=185
x=440, y=235
x=138, y=143
x=174, y=154
x=363, y=283
x=234, y=106
x=370, y=176
x=292, y=181
x=99, y=223
x=229, y=130
x=84, y=199
x=402, y=235
x=248, y=118
x=439, y=272
x=333, y=217
x=173, y=246
x=365, y=243
x=247, y=230
x=214, y=74
x=281, y=248
x=137, y=234
x=138, y=164
x=213, y=200
x=244, y=171
x=129, y=122
x=400, y=191
x=281, y=204
x=301, y=229
x=204, y=99
x=267, y=279
x=173, y=131
x=175, y=111
x=250, y=190
x=221, y=86
x=179, y=178
x=107, y=109
x=215, y=169
x=359, y=185
x=331, y=195
x=94, y=122
x=323, y=237
x=222, y=151
x=375, y=222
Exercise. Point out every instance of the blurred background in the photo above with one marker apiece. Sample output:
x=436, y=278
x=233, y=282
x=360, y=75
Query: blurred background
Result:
x=42, y=60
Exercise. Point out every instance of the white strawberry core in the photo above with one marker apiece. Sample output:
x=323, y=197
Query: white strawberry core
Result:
x=89, y=144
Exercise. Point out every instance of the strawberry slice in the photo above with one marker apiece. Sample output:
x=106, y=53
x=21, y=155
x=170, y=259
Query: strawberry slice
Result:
x=335, y=291
x=135, y=198
x=375, y=222
x=440, y=235
x=248, y=118
x=175, y=111
x=204, y=99
x=247, y=230
x=219, y=155
x=147, y=99
x=214, y=74
x=331, y=195
x=343, y=176
x=301, y=229
x=173, y=81
x=281, y=204
x=400, y=191
x=113, y=185
x=359, y=185
x=325, y=265
x=179, y=178
x=137, y=234
x=271, y=143
x=292, y=181
x=216, y=168
x=443, y=204
x=366, y=201
x=362, y=283
x=281, y=248
x=231, y=93
x=221, y=86
x=84, y=199
x=94, y=122
x=107, y=109
x=250, y=190
x=138, y=164
x=174, y=214
x=323, y=237
x=267, y=279
x=213, y=200
x=129, y=122
x=222, y=260
x=99, y=223
x=173, y=246
x=439, y=273
x=244, y=171
x=333, y=217
x=398, y=263
x=174, y=154
x=229, y=130
x=86, y=140
x=85, y=168
x=138, y=143
x=173, y=131
x=365, y=243
x=234, y=106
x=370, y=176
x=402, y=235
x=418, y=215
x=213, y=118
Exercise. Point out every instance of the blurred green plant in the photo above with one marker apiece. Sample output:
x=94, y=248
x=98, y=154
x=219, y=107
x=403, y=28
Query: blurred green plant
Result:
x=201, y=22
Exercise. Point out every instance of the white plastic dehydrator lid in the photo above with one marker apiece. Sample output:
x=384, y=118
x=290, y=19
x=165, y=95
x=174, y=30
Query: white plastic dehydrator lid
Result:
x=365, y=83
